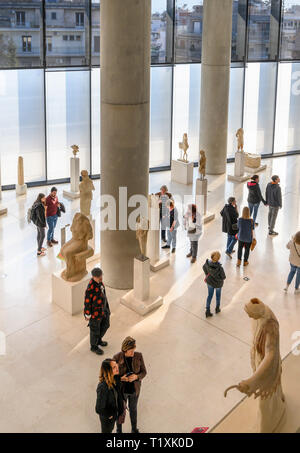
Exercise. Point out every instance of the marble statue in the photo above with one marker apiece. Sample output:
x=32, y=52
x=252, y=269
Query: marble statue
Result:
x=20, y=171
x=75, y=149
x=240, y=139
x=252, y=160
x=184, y=146
x=265, y=383
x=76, y=251
x=202, y=164
x=153, y=201
x=142, y=228
x=86, y=188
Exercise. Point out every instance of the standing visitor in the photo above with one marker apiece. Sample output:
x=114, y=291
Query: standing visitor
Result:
x=52, y=205
x=215, y=277
x=172, y=227
x=245, y=236
x=164, y=198
x=96, y=311
x=193, y=225
x=274, y=201
x=254, y=197
x=132, y=370
x=294, y=248
x=38, y=217
x=229, y=224
x=110, y=400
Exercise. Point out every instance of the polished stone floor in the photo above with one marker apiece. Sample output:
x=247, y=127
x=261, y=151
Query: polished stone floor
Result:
x=48, y=376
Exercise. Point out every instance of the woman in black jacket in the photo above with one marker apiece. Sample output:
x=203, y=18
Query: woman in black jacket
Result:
x=110, y=400
x=254, y=196
x=215, y=277
x=230, y=217
x=38, y=217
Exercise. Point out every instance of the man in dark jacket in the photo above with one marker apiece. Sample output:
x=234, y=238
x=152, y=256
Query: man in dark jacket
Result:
x=230, y=216
x=52, y=205
x=215, y=277
x=96, y=311
x=254, y=197
x=274, y=201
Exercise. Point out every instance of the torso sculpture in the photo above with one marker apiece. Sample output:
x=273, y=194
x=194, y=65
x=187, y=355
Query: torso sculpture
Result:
x=86, y=188
x=184, y=146
x=75, y=149
x=240, y=139
x=202, y=164
x=76, y=251
x=142, y=229
x=265, y=383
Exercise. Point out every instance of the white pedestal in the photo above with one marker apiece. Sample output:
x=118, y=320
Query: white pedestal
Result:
x=253, y=171
x=182, y=172
x=201, y=200
x=74, y=174
x=21, y=189
x=153, y=243
x=67, y=295
x=140, y=299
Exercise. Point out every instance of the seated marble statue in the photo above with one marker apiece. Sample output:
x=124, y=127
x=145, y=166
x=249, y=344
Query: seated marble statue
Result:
x=76, y=251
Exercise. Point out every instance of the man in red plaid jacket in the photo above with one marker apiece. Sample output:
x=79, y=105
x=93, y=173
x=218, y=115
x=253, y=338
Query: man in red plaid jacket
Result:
x=96, y=311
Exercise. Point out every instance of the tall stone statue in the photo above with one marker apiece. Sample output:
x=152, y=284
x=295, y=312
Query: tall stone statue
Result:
x=86, y=188
x=184, y=146
x=75, y=149
x=76, y=251
x=265, y=383
x=202, y=164
x=240, y=139
x=142, y=228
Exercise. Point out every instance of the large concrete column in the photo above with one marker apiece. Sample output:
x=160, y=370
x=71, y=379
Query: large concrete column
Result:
x=215, y=76
x=125, y=115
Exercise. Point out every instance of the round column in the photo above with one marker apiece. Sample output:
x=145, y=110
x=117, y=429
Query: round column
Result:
x=125, y=117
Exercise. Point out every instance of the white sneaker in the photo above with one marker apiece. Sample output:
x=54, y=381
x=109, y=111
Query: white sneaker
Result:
x=297, y=291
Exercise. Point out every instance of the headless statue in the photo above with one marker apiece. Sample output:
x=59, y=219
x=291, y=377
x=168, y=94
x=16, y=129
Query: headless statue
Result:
x=202, y=164
x=86, y=188
x=240, y=139
x=142, y=229
x=184, y=146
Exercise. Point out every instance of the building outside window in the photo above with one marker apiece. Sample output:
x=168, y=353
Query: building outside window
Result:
x=26, y=43
x=79, y=19
x=53, y=16
x=20, y=18
x=49, y=43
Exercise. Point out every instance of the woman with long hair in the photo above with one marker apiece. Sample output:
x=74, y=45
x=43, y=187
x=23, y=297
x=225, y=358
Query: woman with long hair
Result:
x=110, y=400
x=193, y=225
x=294, y=248
x=245, y=236
x=38, y=217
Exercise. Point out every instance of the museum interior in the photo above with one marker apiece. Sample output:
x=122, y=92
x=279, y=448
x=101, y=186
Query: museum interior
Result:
x=150, y=214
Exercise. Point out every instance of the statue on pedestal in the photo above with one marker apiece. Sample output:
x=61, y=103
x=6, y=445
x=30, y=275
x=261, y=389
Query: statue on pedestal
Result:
x=184, y=146
x=240, y=139
x=86, y=188
x=75, y=149
x=265, y=383
x=202, y=165
x=142, y=228
x=76, y=251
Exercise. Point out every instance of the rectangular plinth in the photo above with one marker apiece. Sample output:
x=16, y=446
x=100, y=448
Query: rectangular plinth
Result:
x=139, y=306
x=239, y=164
x=3, y=211
x=182, y=172
x=201, y=195
x=238, y=178
x=208, y=217
x=67, y=295
x=160, y=264
x=141, y=279
x=71, y=195
x=74, y=174
x=21, y=189
x=253, y=171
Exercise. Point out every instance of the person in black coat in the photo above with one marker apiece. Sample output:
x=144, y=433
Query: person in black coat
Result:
x=254, y=197
x=230, y=216
x=38, y=217
x=110, y=400
x=215, y=277
x=274, y=201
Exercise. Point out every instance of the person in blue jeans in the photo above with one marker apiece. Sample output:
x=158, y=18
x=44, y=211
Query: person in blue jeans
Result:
x=215, y=277
x=173, y=226
x=254, y=197
x=52, y=206
x=230, y=216
x=294, y=248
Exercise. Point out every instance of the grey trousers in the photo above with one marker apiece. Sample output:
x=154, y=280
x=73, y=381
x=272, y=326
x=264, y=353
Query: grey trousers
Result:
x=273, y=212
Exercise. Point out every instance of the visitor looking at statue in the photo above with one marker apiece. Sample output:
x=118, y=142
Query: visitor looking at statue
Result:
x=97, y=311
x=193, y=225
x=52, y=205
x=245, y=236
x=172, y=227
x=274, y=201
x=294, y=247
x=230, y=216
x=38, y=218
x=132, y=371
x=164, y=198
x=254, y=197
x=214, y=279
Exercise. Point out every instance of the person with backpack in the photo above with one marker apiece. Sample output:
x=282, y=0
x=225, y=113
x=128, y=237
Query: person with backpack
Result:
x=294, y=248
x=274, y=201
x=38, y=218
x=230, y=217
x=254, y=197
x=172, y=227
x=164, y=199
x=214, y=279
x=53, y=205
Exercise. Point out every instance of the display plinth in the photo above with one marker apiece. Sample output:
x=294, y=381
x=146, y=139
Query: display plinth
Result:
x=3, y=211
x=74, y=174
x=241, y=172
x=141, y=299
x=201, y=200
x=253, y=171
x=68, y=295
x=182, y=172
x=21, y=189
x=157, y=262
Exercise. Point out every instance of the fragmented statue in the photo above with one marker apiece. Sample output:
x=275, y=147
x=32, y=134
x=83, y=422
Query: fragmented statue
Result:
x=265, y=383
x=142, y=228
x=202, y=164
x=86, y=188
x=76, y=251
x=20, y=171
x=240, y=139
x=184, y=146
x=75, y=149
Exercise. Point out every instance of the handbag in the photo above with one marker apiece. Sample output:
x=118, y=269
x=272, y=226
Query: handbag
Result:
x=253, y=244
x=234, y=227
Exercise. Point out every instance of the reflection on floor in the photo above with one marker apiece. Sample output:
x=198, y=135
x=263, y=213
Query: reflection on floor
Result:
x=48, y=376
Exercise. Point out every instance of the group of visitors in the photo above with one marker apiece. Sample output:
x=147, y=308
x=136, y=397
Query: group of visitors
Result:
x=45, y=211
